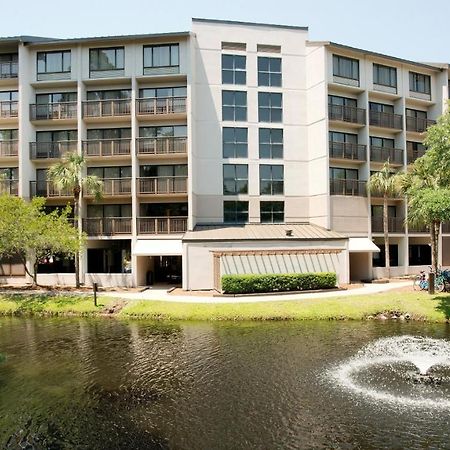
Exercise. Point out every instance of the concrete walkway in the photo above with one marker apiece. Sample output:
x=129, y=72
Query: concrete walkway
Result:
x=160, y=294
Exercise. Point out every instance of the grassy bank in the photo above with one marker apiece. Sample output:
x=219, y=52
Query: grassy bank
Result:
x=419, y=305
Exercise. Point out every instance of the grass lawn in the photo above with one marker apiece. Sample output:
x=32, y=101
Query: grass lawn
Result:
x=419, y=305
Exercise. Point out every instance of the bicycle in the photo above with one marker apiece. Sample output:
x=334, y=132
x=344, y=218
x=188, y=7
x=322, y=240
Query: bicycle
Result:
x=441, y=282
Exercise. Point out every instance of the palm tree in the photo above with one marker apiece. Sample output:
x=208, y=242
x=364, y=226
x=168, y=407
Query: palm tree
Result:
x=68, y=175
x=385, y=183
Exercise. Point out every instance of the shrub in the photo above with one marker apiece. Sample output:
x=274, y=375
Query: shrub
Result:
x=245, y=284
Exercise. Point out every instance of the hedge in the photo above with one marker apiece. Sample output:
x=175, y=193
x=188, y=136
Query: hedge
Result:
x=245, y=284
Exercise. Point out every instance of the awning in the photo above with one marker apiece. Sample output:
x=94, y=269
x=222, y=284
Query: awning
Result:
x=360, y=245
x=158, y=247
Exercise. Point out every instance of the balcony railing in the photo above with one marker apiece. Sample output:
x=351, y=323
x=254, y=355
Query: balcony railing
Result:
x=161, y=225
x=161, y=146
x=9, y=69
x=10, y=187
x=386, y=120
x=412, y=154
x=53, y=111
x=107, y=147
x=107, y=108
x=418, y=124
x=348, y=187
x=48, y=189
x=382, y=154
x=9, y=109
x=116, y=186
x=9, y=149
x=107, y=226
x=347, y=150
x=161, y=105
x=347, y=114
x=51, y=150
x=162, y=185
x=395, y=224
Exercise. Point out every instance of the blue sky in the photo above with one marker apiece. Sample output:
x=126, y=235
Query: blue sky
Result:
x=411, y=29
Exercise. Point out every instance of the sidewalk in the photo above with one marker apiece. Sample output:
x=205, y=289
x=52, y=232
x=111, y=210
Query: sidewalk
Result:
x=160, y=294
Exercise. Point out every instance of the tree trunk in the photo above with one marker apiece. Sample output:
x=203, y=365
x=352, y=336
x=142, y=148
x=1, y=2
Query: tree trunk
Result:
x=35, y=269
x=434, y=231
x=387, y=260
x=76, y=206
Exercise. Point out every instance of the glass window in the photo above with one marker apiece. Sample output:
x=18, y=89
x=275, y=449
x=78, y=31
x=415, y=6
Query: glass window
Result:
x=109, y=210
x=163, y=209
x=385, y=75
x=416, y=113
x=9, y=135
x=271, y=143
x=54, y=62
x=116, y=94
x=376, y=141
x=271, y=179
x=161, y=55
x=345, y=67
x=172, y=170
x=235, y=179
x=179, y=91
x=235, y=142
x=9, y=96
x=110, y=172
x=234, y=69
x=109, y=133
x=337, y=136
x=269, y=71
x=56, y=136
x=271, y=212
x=270, y=108
x=418, y=82
x=9, y=173
x=59, y=97
x=106, y=58
x=381, y=107
x=338, y=173
x=164, y=131
x=235, y=211
x=234, y=105
x=336, y=100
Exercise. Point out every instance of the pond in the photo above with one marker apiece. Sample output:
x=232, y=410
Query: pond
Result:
x=108, y=384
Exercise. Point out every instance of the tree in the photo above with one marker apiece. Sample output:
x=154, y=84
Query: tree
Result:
x=28, y=232
x=385, y=183
x=68, y=175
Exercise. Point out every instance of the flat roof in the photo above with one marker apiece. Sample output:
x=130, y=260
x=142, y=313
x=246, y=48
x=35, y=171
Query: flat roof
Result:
x=252, y=24
x=261, y=231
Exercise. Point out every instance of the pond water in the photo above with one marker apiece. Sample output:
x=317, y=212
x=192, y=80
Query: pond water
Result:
x=107, y=384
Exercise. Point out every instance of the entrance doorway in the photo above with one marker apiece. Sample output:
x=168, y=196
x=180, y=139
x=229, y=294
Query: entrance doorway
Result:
x=168, y=269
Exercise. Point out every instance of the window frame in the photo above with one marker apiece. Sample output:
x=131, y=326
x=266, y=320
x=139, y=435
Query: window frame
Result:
x=272, y=74
x=376, y=70
x=240, y=183
x=262, y=109
x=271, y=212
x=100, y=49
x=233, y=107
x=234, y=70
x=414, y=82
x=152, y=47
x=235, y=211
x=270, y=144
x=271, y=182
x=236, y=144
x=63, y=54
x=336, y=67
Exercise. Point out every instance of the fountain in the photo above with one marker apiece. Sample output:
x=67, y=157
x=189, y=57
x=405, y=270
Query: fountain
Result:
x=404, y=370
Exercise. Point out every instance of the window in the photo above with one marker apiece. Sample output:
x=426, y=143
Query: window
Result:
x=164, y=131
x=160, y=56
x=385, y=75
x=378, y=258
x=8, y=65
x=377, y=211
x=336, y=136
x=110, y=172
x=235, y=142
x=270, y=107
x=116, y=94
x=9, y=135
x=271, y=179
x=172, y=170
x=9, y=173
x=109, y=133
x=381, y=142
x=418, y=82
x=271, y=212
x=271, y=143
x=381, y=107
x=163, y=209
x=60, y=97
x=419, y=255
x=336, y=100
x=56, y=136
x=234, y=69
x=338, y=173
x=414, y=150
x=416, y=114
x=234, y=105
x=53, y=63
x=235, y=179
x=235, y=212
x=9, y=96
x=179, y=91
x=109, y=210
x=269, y=71
x=345, y=67
x=106, y=59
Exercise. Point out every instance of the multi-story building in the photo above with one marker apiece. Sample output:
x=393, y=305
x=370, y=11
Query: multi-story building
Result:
x=233, y=148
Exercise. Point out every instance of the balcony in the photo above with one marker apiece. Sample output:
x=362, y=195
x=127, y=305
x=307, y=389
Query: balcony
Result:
x=115, y=187
x=161, y=146
x=54, y=111
x=383, y=154
x=395, y=224
x=9, y=70
x=418, y=124
x=106, y=108
x=51, y=150
x=48, y=189
x=161, y=225
x=348, y=187
x=386, y=120
x=418, y=229
x=413, y=154
x=9, y=149
x=379, y=194
x=9, y=110
x=10, y=187
x=347, y=151
x=162, y=106
x=162, y=185
x=348, y=114
x=107, y=226
x=106, y=147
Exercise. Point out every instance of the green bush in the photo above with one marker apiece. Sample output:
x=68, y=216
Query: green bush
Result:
x=245, y=284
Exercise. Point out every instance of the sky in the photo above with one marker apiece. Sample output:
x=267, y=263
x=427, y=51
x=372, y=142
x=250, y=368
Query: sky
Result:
x=410, y=29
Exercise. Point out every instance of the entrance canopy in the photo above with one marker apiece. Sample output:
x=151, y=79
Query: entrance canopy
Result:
x=158, y=247
x=361, y=245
